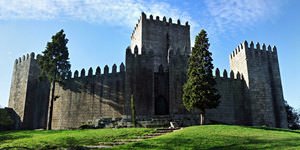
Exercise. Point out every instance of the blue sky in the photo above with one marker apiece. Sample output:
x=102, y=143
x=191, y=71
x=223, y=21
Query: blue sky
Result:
x=99, y=30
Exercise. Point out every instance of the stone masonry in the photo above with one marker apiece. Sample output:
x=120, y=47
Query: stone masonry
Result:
x=28, y=94
x=156, y=64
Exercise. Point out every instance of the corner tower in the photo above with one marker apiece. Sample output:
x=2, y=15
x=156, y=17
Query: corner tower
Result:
x=260, y=69
x=29, y=95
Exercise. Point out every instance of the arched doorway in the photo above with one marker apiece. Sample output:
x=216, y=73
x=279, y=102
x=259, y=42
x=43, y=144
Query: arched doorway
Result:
x=161, y=106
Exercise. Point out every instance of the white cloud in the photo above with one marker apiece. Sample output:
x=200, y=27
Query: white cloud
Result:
x=238, y=14
x=221, y=16
x=24, y=9
x=115, y=12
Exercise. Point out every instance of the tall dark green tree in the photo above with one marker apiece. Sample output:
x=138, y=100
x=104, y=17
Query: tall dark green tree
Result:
x=55, y=65
x=199, y=91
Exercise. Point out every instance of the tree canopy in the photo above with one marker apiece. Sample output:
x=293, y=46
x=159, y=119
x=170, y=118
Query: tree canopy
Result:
x=54, y=62
x=199, y=91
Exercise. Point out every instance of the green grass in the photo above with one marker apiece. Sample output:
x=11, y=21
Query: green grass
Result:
x=65, y=138
x=195, y=137
x=222, y=137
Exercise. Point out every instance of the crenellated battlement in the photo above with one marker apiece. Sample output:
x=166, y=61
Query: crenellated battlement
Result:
x=231, y=75
x=253, y=49
x=114, y=71
x=135, y=52
x=158, y=21
x=97, y=72
x=25, y=58
x=156, y=65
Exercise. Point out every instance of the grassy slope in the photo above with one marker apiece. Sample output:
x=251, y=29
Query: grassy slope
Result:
x=65, y=138
x=196, y=137
x=222, y=137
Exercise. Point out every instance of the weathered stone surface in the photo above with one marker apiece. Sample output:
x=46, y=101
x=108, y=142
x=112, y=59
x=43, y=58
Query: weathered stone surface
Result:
x=28, y=94
x=156, y=65
x=86, y=99
x=260, y=70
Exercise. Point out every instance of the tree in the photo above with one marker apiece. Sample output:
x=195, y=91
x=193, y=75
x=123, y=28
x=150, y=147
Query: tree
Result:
x=199, y=91
x=293, y=117
x=132, y=104
x=55, y=65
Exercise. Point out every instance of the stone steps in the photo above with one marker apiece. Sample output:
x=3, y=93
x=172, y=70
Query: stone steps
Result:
x=129, y=140
x=158, y=132
x=97, y=147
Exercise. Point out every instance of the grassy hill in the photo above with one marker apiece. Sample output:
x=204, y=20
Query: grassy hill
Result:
x=195, y=137
x=222, y=137
x=65, y=138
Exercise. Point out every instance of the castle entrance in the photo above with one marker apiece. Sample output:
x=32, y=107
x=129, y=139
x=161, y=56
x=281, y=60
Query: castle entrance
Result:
x=161, y=106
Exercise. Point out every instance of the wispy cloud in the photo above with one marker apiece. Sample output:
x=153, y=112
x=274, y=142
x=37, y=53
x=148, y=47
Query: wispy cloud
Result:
x=116, y=12
x=221, y=16
x=230, y=15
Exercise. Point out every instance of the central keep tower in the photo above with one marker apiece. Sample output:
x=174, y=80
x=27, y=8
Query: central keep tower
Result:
x=160, y=37
x=156, y=64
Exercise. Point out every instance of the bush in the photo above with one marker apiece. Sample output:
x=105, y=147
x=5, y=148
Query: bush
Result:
x=6, y=122
x=293, y=117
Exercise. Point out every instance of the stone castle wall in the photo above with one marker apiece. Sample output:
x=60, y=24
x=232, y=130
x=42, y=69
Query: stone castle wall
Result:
x=84, y=99
x=260, y=67
x=28, y=94
x=156, y=65
x=231, y=109
x=139, y=82
x=159, y=37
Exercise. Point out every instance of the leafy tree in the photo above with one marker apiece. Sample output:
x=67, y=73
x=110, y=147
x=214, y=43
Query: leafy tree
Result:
x=293, y=117
x=199, y=91
x=55, y=65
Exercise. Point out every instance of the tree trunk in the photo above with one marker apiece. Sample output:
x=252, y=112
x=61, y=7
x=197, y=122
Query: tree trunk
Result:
x=133, y=119
x=202, y=117
x=49, y=127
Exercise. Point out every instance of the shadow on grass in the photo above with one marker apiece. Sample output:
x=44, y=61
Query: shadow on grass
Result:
x=69, y=142
x=11, y=137
x=7, y=136
x=16, y=148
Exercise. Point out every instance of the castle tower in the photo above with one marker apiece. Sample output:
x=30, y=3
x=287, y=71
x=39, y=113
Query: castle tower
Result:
x=260, y=69
x=28, y=95
x=156, y=64
x=159, y=37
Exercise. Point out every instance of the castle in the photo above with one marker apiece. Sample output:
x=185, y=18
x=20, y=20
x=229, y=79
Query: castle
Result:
x=154, y=73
